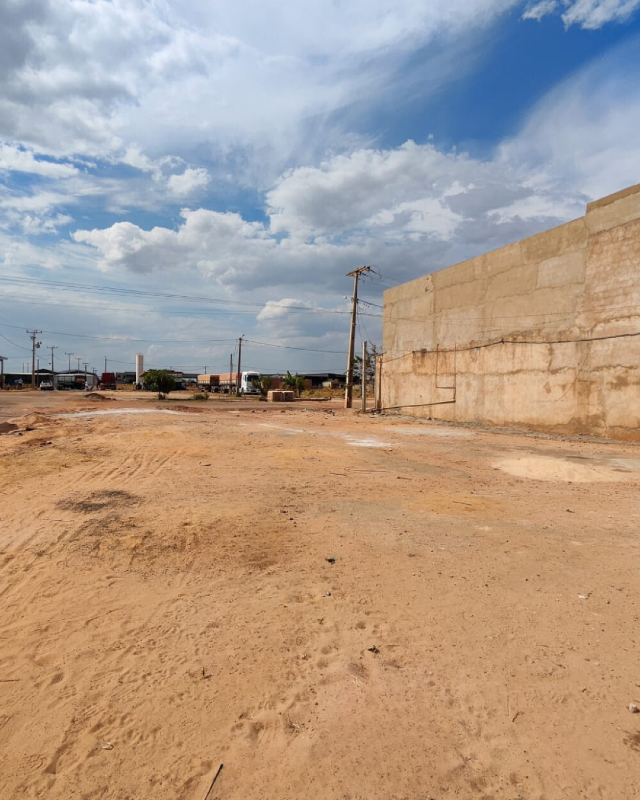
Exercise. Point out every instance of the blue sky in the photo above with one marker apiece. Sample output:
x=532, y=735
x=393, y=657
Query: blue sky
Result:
x=256, y=152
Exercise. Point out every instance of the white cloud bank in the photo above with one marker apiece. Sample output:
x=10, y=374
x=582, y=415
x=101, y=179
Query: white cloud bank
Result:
x=122, y=78
x=587, y=14
x=410, y=209
x=17, y=159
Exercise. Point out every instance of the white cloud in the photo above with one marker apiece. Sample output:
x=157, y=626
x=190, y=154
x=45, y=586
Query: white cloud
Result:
x=583, y=134
x=276, y=310
x=16, y=159
x=411, y=209
x=189, y=181
x=540, y=10
x=588, y=14
x=98, y=77
x=134, y=157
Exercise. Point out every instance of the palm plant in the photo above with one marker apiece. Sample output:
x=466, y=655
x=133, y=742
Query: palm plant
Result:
x=294, y=382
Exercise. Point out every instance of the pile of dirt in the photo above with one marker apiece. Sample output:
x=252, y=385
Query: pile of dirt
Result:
x=95, y=397
x=30, y=421
x=7, y=427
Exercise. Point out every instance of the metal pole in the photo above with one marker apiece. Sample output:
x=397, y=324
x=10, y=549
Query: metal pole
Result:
x=69, y=354
x=239, y=380
x=34, y=347
x=378, y=385
x=363, y=382
x=53, y=373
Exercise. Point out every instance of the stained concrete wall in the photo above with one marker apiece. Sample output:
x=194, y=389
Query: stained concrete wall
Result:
x=533, y=335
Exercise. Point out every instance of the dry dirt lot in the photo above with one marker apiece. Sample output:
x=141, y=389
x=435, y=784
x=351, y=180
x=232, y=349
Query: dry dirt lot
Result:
x=334, y=607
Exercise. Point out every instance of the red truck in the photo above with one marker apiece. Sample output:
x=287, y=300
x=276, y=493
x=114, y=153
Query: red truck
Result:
x=108, y=380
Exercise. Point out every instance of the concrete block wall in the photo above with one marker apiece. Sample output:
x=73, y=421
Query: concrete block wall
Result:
x=533, y=335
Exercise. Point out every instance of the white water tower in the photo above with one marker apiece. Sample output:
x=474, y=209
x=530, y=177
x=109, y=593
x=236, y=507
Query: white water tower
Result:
x=139, y=367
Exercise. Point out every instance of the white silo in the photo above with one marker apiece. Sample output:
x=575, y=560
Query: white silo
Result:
x=139, y=367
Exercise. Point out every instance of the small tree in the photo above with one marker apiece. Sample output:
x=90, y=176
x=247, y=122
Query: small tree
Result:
x=263, y=382
x=289, y=381
x=160, y=381
x=299, y=385
x=294, y=382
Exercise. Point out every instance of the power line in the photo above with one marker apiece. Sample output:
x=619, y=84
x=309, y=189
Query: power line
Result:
x=174, y=341
x=497, y=342
x=19, y=346
x=111, y=307
x=290, y=347
x=127, y=338
x=124, y=291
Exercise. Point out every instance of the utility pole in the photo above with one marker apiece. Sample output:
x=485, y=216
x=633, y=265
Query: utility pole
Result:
x=86, y=364
x=363, y=381
x=230, y=372
x=348, y=393
x=69, y=354
x=34, y=346
x=105, y=363
x=239, y=380
x=53, y=374
x=377, y=392
x=79, y=360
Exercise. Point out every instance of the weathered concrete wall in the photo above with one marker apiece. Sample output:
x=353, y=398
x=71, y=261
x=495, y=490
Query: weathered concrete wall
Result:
x=525, y=336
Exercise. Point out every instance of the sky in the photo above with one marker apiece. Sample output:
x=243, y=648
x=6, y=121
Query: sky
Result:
x=177, y=174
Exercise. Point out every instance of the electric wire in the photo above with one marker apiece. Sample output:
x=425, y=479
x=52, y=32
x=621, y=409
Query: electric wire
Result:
x=500, y=341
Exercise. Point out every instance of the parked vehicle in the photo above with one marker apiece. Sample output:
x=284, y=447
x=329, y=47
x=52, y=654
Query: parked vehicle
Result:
x=46, y=386
x=71, y=382
x=108, y=380
x=226, y=382
x=210, y=383
x=248, y=383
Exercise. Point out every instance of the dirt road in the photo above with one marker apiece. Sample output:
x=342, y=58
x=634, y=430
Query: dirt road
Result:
x=332, y=606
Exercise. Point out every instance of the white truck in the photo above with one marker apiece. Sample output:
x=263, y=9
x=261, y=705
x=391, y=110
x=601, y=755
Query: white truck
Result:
x=227, y=383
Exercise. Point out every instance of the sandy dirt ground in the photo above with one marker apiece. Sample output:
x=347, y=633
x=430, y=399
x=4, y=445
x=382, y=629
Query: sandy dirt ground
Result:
x=331, y=606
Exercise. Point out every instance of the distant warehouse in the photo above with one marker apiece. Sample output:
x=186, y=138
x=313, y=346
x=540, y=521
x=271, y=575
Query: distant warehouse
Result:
x=541, y=334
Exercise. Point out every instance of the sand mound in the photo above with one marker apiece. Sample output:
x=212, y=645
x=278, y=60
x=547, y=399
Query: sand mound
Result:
x=34, y=420
x=95, y=397
x=188, y=409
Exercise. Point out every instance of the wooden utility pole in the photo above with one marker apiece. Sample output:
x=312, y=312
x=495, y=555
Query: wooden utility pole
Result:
x=348, y=392
x=34, y=346
x=363, y=381
x=239, y=381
